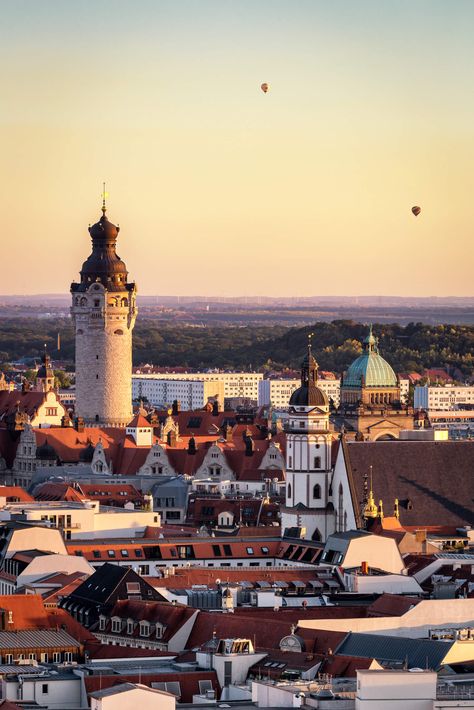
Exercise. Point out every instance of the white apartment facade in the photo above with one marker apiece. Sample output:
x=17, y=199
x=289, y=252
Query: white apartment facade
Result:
x=443, y=397
x=190, y=393
x=277, y=392
x=236, y=384
x=79, y=520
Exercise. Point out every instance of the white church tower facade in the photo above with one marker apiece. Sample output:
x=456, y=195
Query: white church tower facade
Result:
x=308, y=504
x=103, y=313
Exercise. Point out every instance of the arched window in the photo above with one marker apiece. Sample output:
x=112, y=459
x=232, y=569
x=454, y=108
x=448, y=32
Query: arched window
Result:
x=124, y=302
x=316, y=491
x=83, y=301
x=288, y=494
x=118, y=332
x=317, y=462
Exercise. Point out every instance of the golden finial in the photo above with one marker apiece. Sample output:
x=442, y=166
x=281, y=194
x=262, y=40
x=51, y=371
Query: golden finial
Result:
x=104, y=197
x=396, y=510
x=381, y=509
x=370, y=509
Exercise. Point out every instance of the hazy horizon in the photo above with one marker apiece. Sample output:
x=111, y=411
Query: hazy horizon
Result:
x=219, y=188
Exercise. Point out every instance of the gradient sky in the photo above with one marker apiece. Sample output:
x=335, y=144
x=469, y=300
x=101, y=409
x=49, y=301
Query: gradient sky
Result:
x=218, y=188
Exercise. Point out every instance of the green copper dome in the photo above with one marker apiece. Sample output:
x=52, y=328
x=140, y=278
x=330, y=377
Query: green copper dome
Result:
x=370, y=368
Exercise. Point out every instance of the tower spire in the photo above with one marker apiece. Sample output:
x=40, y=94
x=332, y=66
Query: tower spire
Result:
x=104, y=197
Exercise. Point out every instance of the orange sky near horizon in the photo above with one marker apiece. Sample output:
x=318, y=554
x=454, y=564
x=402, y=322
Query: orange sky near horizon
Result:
x=222, y=190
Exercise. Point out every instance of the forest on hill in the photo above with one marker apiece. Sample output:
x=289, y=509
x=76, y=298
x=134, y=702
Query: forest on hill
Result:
x=408, y=348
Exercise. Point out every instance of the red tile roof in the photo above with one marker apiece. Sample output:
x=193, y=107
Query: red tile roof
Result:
x=27, y=402
x=14, y=494
x=171, y=616
x=391, y=605
x=139, y=422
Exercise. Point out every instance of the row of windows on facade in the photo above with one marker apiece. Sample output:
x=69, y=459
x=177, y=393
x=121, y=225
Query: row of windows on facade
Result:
x=316, y=491
x=113, y=303
x=316, y=462
x=145, y=627
x=9, y=659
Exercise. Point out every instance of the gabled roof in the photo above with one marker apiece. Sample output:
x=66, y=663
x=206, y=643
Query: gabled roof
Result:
x=432, y=480
x=27, y=402
x=139, y=422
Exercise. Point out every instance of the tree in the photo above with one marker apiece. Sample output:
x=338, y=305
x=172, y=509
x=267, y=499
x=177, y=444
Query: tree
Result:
x=62, y=379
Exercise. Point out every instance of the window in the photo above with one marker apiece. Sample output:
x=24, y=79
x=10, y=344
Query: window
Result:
x=144, y=628
x=216, y=550
x=144, y=569
x=301, y=425
x=96, y=554
x=68, y=657
x=44, y=688
x=138, y=553
x=8, y=658
x=227, y=550
x=111, y=553
x=288, y=494
x=130, y=626
x=264, y=550
x=116, y=625
x=32, y=656
x=56, y=657
x=124, y=553
x=44, y=658
x=317, y=462
x=316, y=491
x=249, y=550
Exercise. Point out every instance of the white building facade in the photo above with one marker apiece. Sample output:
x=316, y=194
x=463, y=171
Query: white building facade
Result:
x=443, y=397
x=236, y=384
x=190, y=393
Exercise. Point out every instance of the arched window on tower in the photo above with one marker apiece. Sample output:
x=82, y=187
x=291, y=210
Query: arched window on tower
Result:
x=316, y=491
x=124, y=302
x=288, y=491
x=340, y=509
x=317, y=462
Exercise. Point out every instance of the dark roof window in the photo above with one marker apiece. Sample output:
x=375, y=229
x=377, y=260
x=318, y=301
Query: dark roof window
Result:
x=111, y=553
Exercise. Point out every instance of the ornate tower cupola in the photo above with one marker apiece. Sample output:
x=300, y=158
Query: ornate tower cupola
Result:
x=308, y=455
x=45, y=374
x=104, y=312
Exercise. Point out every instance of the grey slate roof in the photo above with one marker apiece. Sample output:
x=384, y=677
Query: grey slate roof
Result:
x=36, y=638
x=388, y=650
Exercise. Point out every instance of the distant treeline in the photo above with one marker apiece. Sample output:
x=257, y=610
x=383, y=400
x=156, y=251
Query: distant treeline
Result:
x=407, y=348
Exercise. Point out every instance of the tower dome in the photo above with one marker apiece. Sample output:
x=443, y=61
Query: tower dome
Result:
x=309, y=394
x=370, y=369
x=104, y=264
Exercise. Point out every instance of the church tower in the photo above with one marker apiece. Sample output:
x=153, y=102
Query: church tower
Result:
x=308, y=504
x=104, y=312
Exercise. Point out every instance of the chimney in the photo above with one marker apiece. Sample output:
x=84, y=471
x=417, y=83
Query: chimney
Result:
x=79, y=424
x=215, y=408
x=364, y=567
x=248, y=446
x=176, y=407
x=192, y=446
x=420, y=536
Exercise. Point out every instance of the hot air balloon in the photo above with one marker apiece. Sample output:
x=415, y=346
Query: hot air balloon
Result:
x=264, y=87
x=416, y=210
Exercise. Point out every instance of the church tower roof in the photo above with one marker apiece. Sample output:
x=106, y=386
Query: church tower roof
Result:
x=104, y=264
x=309, y=394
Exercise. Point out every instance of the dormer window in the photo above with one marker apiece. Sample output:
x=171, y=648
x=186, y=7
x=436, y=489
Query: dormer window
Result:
x=130, y=626
x=116, y=625
x=159, y=631
x=102, y=622
x=144, y=628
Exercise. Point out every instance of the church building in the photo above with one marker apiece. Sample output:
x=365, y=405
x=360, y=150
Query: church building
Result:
x=309, y=448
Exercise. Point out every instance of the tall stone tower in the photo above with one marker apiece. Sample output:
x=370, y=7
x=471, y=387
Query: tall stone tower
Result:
x=308, y=504
x=104, y=312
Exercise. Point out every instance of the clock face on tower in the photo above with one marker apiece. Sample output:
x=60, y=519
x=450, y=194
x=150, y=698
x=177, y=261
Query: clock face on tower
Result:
x=291, y=643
